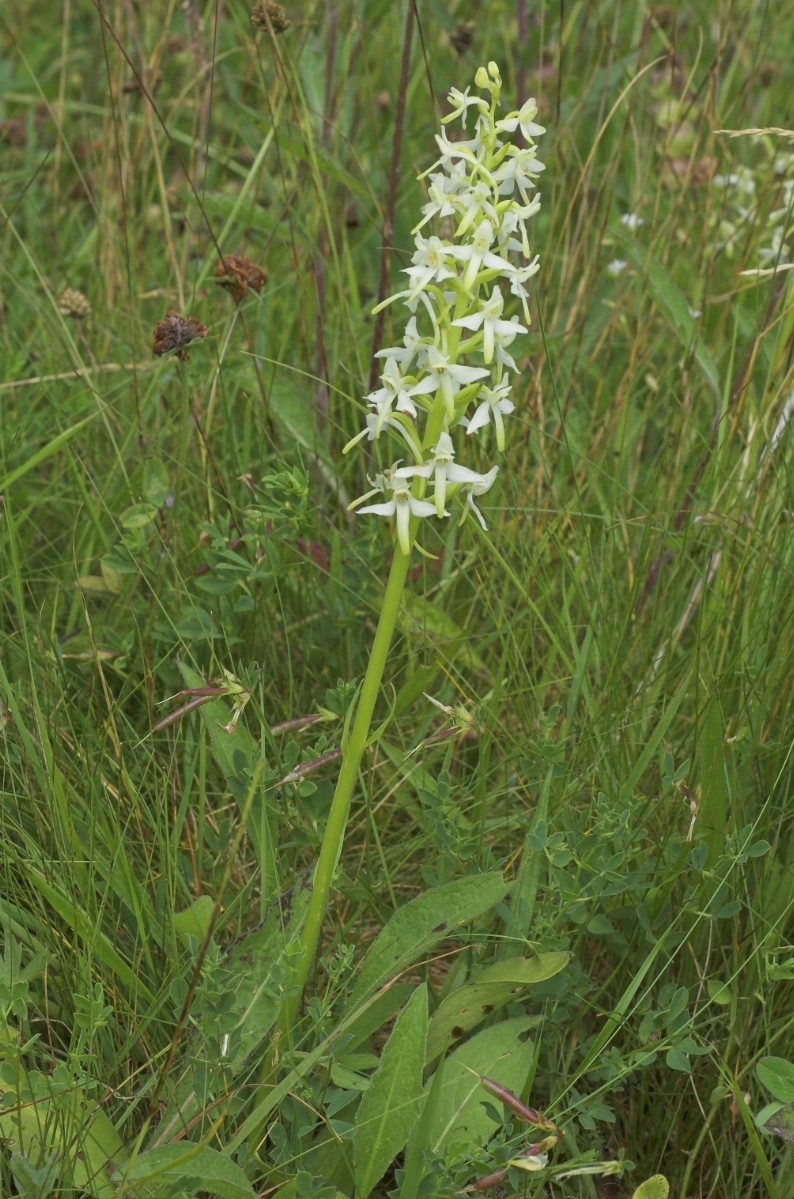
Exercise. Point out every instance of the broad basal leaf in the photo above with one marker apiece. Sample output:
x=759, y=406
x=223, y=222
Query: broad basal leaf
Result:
x=503, y=1053
x=490, y=989
x=390, y=1104
x=423, y=923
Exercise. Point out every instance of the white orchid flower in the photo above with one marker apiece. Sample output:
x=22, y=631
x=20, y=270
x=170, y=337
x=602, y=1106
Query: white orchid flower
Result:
x=484, y=483
x=478, y=255
x=430, y=263
x=493, y=406
x=524, y=119
x=461, y=102
x=403, y=505
x=396, y=393
x=489, y=319
x=445, y=470
x=518, y=171
x=449, y=377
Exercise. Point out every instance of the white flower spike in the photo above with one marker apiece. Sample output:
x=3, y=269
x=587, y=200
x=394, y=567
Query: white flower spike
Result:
x=453, y=367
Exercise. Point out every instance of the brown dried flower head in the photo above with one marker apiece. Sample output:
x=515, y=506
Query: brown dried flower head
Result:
x=73, y=303
x=238, y=273
x=266, y=15
x=175, y=332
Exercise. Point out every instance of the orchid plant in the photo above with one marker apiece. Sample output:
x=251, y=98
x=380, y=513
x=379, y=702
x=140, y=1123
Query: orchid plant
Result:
x=451, y=378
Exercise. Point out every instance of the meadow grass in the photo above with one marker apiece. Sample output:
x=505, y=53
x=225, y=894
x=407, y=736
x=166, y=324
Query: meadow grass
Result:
x=615, y=655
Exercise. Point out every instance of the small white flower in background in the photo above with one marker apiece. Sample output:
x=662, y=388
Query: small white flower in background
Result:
x=742, y=213
x=631, y=221
x=453, y=368
x=617, y=266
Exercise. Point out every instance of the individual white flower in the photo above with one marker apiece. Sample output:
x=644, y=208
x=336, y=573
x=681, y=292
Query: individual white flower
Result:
x=430, y=263
x=524, y=119
x=413, y=346
x=518, y=277
x=449, y=377
x=452, y=150
x=514, y=235
x=489, y=319
x=461, y=102
x=442, y=192
x=616, y=267
x=403, y=505
x=517, y=172
x=725, y=180
x=494, y=404
x=477, y=254
x=485, y=483
x=632, y=221
x=397, y=393
x=474, y=205
x=444, y=470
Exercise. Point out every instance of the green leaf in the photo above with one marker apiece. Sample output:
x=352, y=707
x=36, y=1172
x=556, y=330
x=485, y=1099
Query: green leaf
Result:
x=38, y=1183
x=52, y=447
x=156, y=483
x=781, y=1122
x=69, y=1127
x=421, y=618
x=653, y=1188
x=719, y=992
x=422, y=923
x=418, y=1148
x=500, y=1053
x=172, y=1163
x=138, y=516
x=489, y=990
x=236, y=1007
x=712, y=812
x=293, y=409
x=673, y=305
x=194, y=921
x=390, y=1104
x=777, y=1075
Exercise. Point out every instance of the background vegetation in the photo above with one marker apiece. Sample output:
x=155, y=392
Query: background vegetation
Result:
x=616, y=654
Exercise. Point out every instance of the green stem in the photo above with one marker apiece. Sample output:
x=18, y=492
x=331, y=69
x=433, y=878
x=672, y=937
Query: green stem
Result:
x=351, y=760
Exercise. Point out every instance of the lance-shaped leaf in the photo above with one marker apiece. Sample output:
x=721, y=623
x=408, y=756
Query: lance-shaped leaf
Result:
x=389, y=1106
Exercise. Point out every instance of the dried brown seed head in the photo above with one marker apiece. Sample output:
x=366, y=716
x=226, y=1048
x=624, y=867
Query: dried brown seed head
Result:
x=267, y=15
x=175, y=332
x=238, y=273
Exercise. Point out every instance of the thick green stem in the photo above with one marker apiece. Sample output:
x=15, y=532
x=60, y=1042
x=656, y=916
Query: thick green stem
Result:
x=351, y=761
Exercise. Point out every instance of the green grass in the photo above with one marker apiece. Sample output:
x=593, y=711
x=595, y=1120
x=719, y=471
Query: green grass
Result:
x=620, y=642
